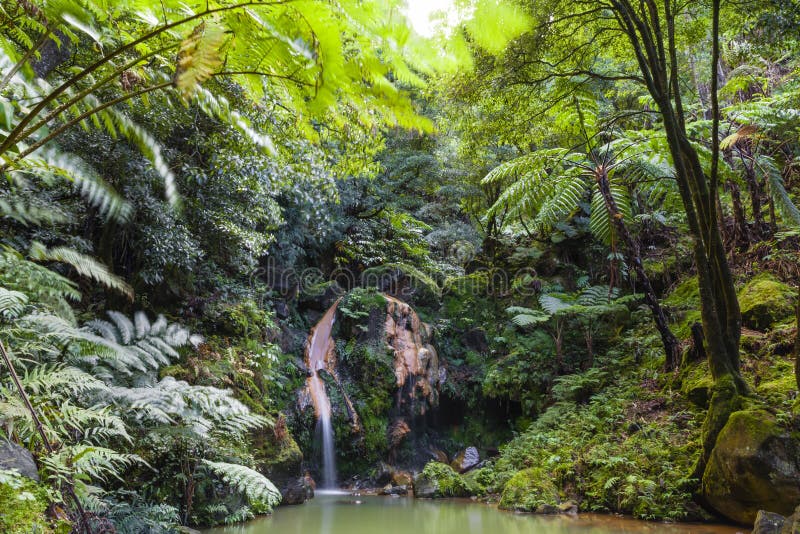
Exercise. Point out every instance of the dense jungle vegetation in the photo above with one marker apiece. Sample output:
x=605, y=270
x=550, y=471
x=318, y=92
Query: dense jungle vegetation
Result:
x=591, y=206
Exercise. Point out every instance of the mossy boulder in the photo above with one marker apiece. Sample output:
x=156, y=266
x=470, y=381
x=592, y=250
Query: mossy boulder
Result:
x=754, y=466
x=439, y=480
x=765, y=301
x=696, y=383
x=778, y=389
x=530, y=490
x=281, y=460
x=684, y=302
x=480, y=481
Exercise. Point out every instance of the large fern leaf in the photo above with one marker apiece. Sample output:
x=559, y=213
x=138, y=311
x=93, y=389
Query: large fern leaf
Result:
x=249, y=482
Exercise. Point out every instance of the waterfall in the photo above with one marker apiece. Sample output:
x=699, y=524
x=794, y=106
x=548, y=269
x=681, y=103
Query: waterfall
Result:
x=319, y=346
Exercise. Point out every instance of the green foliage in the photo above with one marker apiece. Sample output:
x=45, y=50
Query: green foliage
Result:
x=605, y=453
x=257, y=488
x=448, y=482
x=579, y=387
x=359, y=303
x=24, y=504
x=529, y=489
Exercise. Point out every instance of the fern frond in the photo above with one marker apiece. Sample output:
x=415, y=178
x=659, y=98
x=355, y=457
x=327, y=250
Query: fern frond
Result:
x=12, y=303
x=84, y=265
x=553, y=304
x=249, y=482
x=199, y=56
x=600, y=219
x=88, y=183
x=777, y=189
x=124, y=326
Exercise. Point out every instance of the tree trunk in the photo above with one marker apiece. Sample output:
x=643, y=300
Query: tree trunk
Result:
x=651, y=34
x=741, y=234
x=754, y=189
x=668, y=339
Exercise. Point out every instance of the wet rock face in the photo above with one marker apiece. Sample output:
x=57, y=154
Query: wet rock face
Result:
x=416, y=360
x=297, y=491
x=12, y=456
x=754, y=466
x=369, y=355
x=771, y=523
x=394, y=490
x=466, y=460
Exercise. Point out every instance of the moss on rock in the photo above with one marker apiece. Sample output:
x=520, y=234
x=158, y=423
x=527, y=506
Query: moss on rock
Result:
x=754, y=466
x=685, y=301
x=439, y=480
x=778, y=390
x=765, y=301
x=696, y=383
x=529, y=490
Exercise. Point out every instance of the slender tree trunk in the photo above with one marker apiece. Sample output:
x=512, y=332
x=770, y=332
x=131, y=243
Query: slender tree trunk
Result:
x=741, y=235
x=668, y=339
x=754, y=190
x=45, y=441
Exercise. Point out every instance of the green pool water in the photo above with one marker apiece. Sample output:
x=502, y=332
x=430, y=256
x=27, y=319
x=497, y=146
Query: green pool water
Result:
x=348, y=514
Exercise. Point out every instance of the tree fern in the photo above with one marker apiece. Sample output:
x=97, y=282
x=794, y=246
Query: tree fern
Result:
x=525, y=317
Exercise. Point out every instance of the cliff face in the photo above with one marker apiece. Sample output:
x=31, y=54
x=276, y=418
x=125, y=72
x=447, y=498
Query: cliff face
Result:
x=372, y=367
x=416, y=363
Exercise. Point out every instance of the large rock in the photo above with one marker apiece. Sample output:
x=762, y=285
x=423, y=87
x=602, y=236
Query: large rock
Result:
x=754, y=466
x=768, y=523
x=771, y=523
x=696, y=383
x=402, y=478
x=765, y=300
x=297, y=491
x=466, y=460
x=394, y=490
x=12, y=456
x=383, y=473
x=281, y=461
x=425, y=487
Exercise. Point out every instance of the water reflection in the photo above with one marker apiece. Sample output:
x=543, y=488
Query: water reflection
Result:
x=345, y=514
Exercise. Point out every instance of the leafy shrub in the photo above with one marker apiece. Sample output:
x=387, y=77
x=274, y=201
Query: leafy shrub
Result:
x=449, y=483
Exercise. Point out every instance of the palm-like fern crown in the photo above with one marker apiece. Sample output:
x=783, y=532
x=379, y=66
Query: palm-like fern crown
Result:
x=589, y=301
x=549, y=186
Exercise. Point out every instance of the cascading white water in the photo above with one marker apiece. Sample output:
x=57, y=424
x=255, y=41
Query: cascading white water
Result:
x=328, y=453
x=320, y=344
